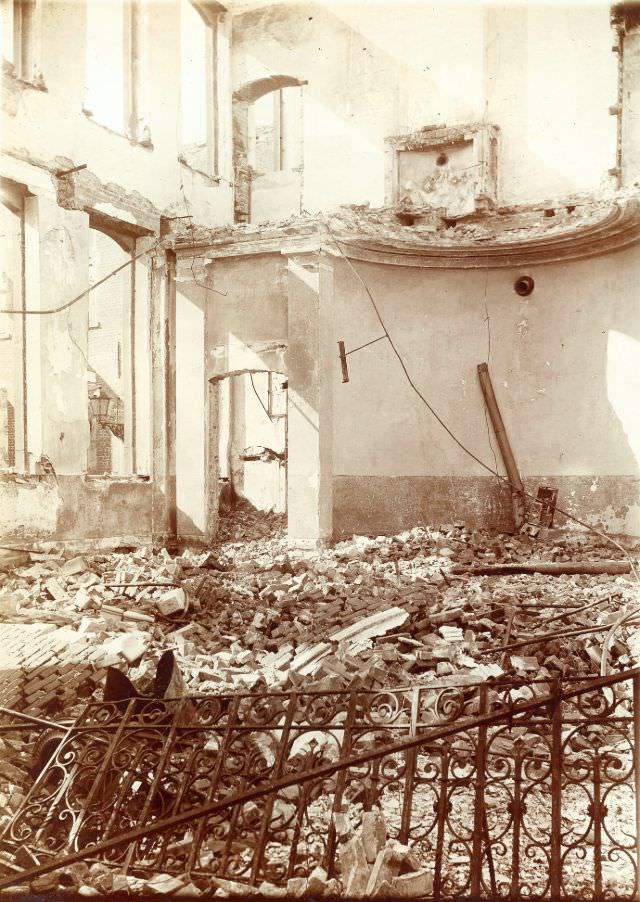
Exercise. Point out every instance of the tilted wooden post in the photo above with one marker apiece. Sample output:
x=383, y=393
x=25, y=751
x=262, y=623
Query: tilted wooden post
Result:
x=517, y=488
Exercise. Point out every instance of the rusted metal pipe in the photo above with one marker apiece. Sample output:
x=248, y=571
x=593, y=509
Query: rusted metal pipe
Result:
x=517, y=488
x=548, y=637
x=38, y=721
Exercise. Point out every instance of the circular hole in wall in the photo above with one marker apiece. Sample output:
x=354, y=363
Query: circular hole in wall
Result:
x=442, y=159
x=524, y=286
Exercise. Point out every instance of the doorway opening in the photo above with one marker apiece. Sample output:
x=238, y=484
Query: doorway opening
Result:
x=252, y=453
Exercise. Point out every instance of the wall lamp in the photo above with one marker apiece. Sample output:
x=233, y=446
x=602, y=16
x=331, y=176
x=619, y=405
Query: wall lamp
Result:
x=100, y=404
x=105, y=410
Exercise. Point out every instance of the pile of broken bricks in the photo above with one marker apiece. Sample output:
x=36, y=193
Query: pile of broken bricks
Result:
x=246, y=616
x=369, y=613
x=372, y=865
x=368, y=864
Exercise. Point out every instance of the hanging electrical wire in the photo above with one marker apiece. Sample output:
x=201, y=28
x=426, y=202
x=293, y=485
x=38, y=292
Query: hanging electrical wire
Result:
x=255, y=391
x=84, y=293
x=460, y=444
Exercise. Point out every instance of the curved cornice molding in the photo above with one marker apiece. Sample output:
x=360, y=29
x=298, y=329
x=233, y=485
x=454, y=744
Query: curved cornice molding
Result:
x=618, y=229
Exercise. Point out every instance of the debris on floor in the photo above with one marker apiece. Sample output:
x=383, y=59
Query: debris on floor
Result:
x=253, y=615
x=367, y=613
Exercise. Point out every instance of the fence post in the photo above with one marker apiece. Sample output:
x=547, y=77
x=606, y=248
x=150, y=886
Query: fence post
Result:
x=341, y=783
x=598, y=814
x=410, y=764
x=517, y=812
x=479, y=809
x=555, y=864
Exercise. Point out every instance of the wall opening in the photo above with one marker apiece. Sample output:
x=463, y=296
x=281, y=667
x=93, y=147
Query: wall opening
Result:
x=19, y=37
x=13, y=453
x=116, y=76
x=275, y=132
x=198, y=88
x=109, y=356
x=267, y=148
x=252, y=440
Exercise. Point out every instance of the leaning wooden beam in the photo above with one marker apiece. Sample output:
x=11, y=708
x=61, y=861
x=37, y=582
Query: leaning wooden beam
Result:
x=551, y=568
x=517, y=488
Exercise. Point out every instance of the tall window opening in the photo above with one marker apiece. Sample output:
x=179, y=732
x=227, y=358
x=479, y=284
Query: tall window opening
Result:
x=19, y=36
x=115, y=66
x=12, y=360
x=198, y=98
x=110, y=377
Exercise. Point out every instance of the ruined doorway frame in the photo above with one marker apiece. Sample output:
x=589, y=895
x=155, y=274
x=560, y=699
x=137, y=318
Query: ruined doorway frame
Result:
x=212, y=449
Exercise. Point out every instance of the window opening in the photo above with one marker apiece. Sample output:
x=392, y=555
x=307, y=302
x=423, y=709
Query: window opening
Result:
x=115, y=66
x=109, y=377
x=12, y=361
x=275, y=139
x=19, y=32
x=198, y=107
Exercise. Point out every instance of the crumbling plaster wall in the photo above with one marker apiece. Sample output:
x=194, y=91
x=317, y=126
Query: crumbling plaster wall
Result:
x=51, y=123
x=630, y=112
x=75, y=510
x=45, y=129
x=564, y=364
x=545, y=75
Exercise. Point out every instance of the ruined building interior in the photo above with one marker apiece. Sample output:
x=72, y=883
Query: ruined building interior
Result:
x=320, y=449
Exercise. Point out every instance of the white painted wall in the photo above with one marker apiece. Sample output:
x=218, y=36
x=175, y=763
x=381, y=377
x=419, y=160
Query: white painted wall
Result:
x=77, y=75
x=545, y=74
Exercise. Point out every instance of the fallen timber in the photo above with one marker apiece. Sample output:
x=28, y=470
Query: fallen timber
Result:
x=550, y=568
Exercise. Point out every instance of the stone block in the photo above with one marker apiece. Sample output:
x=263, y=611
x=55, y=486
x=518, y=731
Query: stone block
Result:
x=56, y=590
x=165, y=884
x=386, y=866
x=232, y=888
x=46, y=883
x=74, y=566
x=413, y=886
x=171, y=602
x=317, y=881
x=189, y=890
x=354, y=866
x=296, y=887
x=374, y=833
x=131, y=646
x=342, y=824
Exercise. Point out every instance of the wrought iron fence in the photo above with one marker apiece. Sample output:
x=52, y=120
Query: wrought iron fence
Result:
x=506, y=790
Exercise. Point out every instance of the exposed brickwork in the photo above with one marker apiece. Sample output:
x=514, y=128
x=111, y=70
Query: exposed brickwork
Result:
x=46, y=669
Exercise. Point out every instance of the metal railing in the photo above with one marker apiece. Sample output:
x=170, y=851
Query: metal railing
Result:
x=506, y=790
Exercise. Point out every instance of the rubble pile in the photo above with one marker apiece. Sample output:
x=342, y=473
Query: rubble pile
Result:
x=251, y=615
x=366, y=614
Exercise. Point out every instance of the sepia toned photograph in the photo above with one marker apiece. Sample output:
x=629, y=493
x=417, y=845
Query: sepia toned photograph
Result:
x=320, y=450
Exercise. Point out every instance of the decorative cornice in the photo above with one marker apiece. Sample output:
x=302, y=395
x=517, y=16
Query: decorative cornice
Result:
x=618, y=229
x=615, y=229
